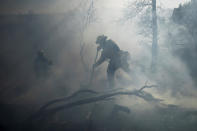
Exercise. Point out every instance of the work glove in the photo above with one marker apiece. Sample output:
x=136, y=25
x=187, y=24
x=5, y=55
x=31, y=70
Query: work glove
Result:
x=98, y=48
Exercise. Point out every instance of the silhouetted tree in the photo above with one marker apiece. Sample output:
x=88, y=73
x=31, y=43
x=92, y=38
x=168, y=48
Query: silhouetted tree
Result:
x=137, y=7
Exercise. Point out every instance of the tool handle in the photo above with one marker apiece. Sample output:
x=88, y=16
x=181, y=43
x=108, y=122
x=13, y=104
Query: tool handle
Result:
x=92, y=72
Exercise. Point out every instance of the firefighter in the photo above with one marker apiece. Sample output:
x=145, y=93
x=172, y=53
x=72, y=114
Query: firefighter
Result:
x=117, y=58
x=42, y=64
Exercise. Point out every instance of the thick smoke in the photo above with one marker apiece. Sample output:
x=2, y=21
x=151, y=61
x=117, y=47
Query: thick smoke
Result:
x=61, y=35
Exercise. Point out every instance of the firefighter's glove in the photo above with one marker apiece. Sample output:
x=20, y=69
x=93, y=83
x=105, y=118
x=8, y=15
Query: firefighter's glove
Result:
x=98, y=48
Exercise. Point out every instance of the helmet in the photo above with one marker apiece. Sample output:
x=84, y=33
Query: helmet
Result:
x=100, y=39
x=40, y=53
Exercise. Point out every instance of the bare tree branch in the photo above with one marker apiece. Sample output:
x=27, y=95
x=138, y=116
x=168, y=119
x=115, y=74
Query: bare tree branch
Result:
x=66, y=98
x=134, y=8
x=87, y=17
x=46, y=112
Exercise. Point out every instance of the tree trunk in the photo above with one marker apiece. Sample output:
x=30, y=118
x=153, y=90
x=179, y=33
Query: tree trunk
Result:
x=154, y=41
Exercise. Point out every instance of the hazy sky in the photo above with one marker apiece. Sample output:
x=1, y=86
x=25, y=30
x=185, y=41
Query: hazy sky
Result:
x=52, y=6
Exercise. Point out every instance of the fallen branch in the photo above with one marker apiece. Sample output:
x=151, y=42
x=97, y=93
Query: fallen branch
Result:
x=42, y=113
x=66, y=98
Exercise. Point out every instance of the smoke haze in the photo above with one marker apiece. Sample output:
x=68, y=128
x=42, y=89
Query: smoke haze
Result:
x=60, y=28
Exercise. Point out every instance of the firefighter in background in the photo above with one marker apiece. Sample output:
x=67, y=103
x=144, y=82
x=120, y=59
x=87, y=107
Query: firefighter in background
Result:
x=117, y=58
x=42, y=64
